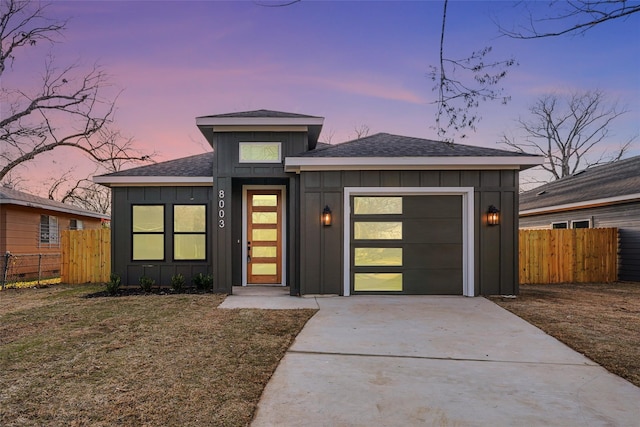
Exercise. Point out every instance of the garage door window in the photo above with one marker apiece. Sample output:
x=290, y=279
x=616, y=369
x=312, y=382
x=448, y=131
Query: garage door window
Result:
x=376, y=282
x=377, y=230
x=378, y=257
x=377, y=205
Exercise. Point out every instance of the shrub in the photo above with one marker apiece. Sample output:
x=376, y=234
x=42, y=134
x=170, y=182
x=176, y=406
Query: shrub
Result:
x=113, y=284
x=203, y=282
x=146, y=283
x=177, y=282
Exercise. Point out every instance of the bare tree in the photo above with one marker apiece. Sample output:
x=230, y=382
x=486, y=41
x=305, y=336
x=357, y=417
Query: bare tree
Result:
x=462, y=84
x=568, y=130
x=571, y=17
x=361, y=131
x=66, y=109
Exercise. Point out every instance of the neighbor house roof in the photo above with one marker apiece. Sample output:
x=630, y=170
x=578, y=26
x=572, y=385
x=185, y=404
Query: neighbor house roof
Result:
x=10, y=196
x=387, y=151
x=616, y=182
x=267, y=120
x=192, y=170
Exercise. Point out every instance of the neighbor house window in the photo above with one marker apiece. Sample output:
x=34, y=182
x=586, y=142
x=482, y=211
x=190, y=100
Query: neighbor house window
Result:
x=189, y=232
x=583, y=223
x=260, y=152
x=75, y=224
x=148, y=232
x=561, y=224
x=49, y=230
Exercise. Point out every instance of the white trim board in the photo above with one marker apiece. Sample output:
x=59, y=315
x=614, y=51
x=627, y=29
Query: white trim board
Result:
x=467, y=193
x=298, y=164
x=583, y=204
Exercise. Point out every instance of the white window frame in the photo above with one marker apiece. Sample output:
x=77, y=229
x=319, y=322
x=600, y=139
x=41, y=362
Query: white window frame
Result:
x=246, y=144
x=467, y=193
x=573, y=221
x=52, y=232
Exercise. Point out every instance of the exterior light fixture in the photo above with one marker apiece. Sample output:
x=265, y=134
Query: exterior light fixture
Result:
x=493, y=215
x=326, y=216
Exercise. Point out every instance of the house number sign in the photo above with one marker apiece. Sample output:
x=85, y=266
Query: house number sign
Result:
x=221, y=208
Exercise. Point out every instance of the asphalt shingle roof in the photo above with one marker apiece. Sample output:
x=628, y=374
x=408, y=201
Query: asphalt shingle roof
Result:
x=10, y=196
x=262, y=113
x=388, y=145
x=619, y=178
x=192, y=166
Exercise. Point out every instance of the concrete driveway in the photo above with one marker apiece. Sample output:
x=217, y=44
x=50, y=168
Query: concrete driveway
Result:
x=446, y=361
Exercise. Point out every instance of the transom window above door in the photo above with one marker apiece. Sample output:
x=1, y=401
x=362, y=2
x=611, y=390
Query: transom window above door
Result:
x=260, y=152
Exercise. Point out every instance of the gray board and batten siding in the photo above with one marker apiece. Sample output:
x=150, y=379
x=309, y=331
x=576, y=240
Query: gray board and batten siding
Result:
x=124, y=198
x=445, y=189
x=495, y=248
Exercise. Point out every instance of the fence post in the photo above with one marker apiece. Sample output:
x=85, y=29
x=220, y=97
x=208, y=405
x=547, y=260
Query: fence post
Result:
x=39, y=267
x=5, y=269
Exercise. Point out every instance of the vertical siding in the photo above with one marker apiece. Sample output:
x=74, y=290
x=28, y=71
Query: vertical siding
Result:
x=121, y=233
x=625, y=217
x=322, y=248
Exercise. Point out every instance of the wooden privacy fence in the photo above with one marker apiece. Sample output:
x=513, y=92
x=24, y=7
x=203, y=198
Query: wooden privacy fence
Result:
x=86, y=256
x=569, y=255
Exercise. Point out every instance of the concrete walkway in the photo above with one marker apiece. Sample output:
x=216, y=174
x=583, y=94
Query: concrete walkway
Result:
x=446, y=361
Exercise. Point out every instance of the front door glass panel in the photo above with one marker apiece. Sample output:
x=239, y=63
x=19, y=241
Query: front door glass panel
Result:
x=264, y=236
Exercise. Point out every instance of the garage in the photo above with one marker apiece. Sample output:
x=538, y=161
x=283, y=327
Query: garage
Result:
x=406, y=244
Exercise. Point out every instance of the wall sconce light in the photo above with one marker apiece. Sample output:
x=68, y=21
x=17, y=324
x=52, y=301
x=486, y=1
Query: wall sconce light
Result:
x=326, y=216
x=493, y=215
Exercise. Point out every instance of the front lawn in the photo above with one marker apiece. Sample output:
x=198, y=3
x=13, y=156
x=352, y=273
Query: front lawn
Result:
x=153, y=360
x=601, y=321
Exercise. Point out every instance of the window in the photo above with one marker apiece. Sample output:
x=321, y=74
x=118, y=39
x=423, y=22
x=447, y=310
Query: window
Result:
x=75, y=224
x=148, y=232
x=49, y=230
x=377, y=205
x=562, y=224
x=377, y=230
x=189, y=232
x=377, y=282
x=260, y=152
x=583, y=223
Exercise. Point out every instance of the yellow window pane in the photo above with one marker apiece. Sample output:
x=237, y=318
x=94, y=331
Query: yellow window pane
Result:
x=259, y=152
x=264, y=200
x=148, y=246
x=378, y=257
x=264, y=269
x=264, y=217
x=148, y=218
x=188, y=218
x=189, y=246
x=378, y=282
x=377, y=230
x=269, y=235
x=264, y=252
x=377, y=205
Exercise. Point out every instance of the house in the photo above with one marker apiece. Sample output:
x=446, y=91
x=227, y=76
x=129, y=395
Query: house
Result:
x=384, y=214
x=598, y=197
x=31, y=225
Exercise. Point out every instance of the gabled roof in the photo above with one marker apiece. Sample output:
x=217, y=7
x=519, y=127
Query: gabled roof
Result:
x=10, y=196
x=262, y=120
x=387, y=151
x=616, y=182
x=192, y=170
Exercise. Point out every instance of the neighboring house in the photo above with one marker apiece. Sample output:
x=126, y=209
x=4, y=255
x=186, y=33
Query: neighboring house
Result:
x=384, y=214
x=598, y=197
x=31, y=225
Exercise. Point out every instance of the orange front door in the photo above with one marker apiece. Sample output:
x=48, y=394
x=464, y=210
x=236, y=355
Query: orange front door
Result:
x=264, y=236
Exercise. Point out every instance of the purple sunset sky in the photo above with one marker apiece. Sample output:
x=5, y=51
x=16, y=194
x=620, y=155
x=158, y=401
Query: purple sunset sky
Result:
x=354, y=63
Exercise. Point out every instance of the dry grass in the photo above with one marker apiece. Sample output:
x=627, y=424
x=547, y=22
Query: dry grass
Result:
x=156, y=360
x=601, y=321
